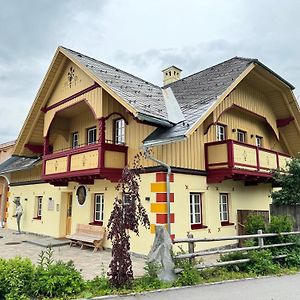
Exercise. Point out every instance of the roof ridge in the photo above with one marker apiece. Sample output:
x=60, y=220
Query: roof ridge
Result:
x=118, y=69
x=232, y=58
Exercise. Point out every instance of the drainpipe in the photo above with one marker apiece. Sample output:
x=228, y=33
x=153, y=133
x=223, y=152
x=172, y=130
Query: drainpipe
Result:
x=147, y=155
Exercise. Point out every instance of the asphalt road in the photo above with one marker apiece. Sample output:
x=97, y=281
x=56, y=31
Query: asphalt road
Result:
x=272, y=288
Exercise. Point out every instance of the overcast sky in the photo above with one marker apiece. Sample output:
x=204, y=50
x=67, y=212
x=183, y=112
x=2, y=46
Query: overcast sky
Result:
x=141, y=37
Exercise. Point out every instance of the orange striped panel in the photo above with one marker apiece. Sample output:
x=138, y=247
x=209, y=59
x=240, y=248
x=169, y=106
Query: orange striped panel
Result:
x=158, y=187
x=162, y=197
x=163, y=218
x=162, y=177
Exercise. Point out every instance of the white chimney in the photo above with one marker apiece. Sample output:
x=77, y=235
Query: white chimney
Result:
x=171, y=74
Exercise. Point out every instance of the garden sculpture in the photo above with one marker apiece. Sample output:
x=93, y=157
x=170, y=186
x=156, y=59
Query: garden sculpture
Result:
x=19, y=213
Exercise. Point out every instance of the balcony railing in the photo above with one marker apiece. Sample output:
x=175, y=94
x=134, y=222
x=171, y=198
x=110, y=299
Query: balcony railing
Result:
x=85, y=163
x=236, y=160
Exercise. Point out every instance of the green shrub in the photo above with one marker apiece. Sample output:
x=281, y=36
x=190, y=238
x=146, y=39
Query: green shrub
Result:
x=58, y=280
x=189, y=276
x=254, y=223
x=261, y=263
x=234, y=256
x=99, y=286
x=280, y=224
x=16, y=278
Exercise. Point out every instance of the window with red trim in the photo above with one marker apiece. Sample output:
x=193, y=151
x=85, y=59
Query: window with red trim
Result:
x=196, y=218
x=39, y=205
x=224, y=209
x=98, y=208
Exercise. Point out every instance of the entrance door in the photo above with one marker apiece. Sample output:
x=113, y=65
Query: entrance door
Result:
x=242, y=216
x=69, y=214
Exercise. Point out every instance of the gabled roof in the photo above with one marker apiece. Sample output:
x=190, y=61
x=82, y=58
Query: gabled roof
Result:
x=146, y=98
x=198, y=93
x=176, y=109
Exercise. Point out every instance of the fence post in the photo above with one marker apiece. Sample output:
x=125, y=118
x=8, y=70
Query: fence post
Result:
x=191, y=247
x=260, y=239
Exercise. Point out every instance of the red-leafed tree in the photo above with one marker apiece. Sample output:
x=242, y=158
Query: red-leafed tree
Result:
x=127, y=214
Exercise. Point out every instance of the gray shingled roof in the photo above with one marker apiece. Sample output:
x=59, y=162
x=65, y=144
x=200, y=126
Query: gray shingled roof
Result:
x=17, y=163
x=145, y=97
x=198, y=92
x=195, y=94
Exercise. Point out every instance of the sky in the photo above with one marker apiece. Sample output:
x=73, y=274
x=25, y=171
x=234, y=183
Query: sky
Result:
x=139, y=36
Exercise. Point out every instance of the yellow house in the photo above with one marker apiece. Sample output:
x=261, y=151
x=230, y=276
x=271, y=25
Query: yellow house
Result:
x=6, y=150
x=215, y=136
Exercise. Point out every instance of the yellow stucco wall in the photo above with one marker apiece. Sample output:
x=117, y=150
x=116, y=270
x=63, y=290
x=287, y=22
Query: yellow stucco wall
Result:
x=53, y=223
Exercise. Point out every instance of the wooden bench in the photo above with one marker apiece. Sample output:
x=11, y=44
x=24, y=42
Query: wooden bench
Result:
x=88, y=235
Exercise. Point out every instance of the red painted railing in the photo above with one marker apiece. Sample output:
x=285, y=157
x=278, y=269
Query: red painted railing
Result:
x=98, y=171
x=220, y=169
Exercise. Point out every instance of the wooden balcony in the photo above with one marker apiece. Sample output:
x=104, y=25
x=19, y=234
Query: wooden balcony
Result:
x=84, y=164
x=239, y=161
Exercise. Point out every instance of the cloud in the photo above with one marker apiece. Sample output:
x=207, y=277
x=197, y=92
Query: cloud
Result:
x=141, y=37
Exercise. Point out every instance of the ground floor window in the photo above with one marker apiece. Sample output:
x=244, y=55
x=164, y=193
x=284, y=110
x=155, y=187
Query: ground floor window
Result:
x=39, y=206
x=224, y=208
x=98, y=208
x=196, y=211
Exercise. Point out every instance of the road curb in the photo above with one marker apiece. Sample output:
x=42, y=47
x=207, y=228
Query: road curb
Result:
x=107, y=297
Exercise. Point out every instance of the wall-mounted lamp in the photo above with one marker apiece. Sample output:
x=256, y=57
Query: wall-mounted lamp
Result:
x=147, y=198
x=233, y=130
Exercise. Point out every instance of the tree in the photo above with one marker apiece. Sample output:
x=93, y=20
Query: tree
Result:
x=290, y=184
x=125, y=217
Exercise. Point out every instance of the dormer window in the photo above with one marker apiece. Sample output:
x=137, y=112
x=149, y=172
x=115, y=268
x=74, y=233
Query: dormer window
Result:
x=119, y=131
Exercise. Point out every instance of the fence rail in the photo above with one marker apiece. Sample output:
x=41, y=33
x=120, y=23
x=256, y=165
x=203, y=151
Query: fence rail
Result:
x=261, y=245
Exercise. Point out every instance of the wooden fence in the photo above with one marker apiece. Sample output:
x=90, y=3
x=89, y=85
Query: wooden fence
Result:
x=192, y=254
x=289, y=210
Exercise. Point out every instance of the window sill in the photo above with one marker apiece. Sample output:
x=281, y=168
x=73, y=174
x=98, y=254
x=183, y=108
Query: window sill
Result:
x=96, y=223
x=198, y=226
x=226, y=224
x=37, y=218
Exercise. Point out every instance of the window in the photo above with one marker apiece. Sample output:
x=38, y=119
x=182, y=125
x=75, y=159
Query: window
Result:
x=224, y=209
x=98, y=208
x=39, y=203
x=221, y=136
x=196, y=211
x=91, y=135
x=119, y=131
x=75, y=142
x=241, y=136
x=126, y=199
x=258, y=141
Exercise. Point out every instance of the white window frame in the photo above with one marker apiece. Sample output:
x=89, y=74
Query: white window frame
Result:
x=258, y=141
x=75, y=140
x=119, y=128
x=98, y=207
x=241, y=136
x=39, y=206
x=220, y=132
x=224, y=207
x=196, y=204
x=93, y=131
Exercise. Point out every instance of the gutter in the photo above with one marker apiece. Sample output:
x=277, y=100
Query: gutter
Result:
x=147, y=155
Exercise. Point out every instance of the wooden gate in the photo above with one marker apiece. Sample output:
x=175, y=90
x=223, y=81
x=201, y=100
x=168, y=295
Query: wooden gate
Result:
x=242, y=216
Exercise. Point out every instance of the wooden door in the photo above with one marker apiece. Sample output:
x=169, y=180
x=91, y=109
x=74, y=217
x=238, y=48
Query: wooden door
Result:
x=69, y=214
x=242, y=216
